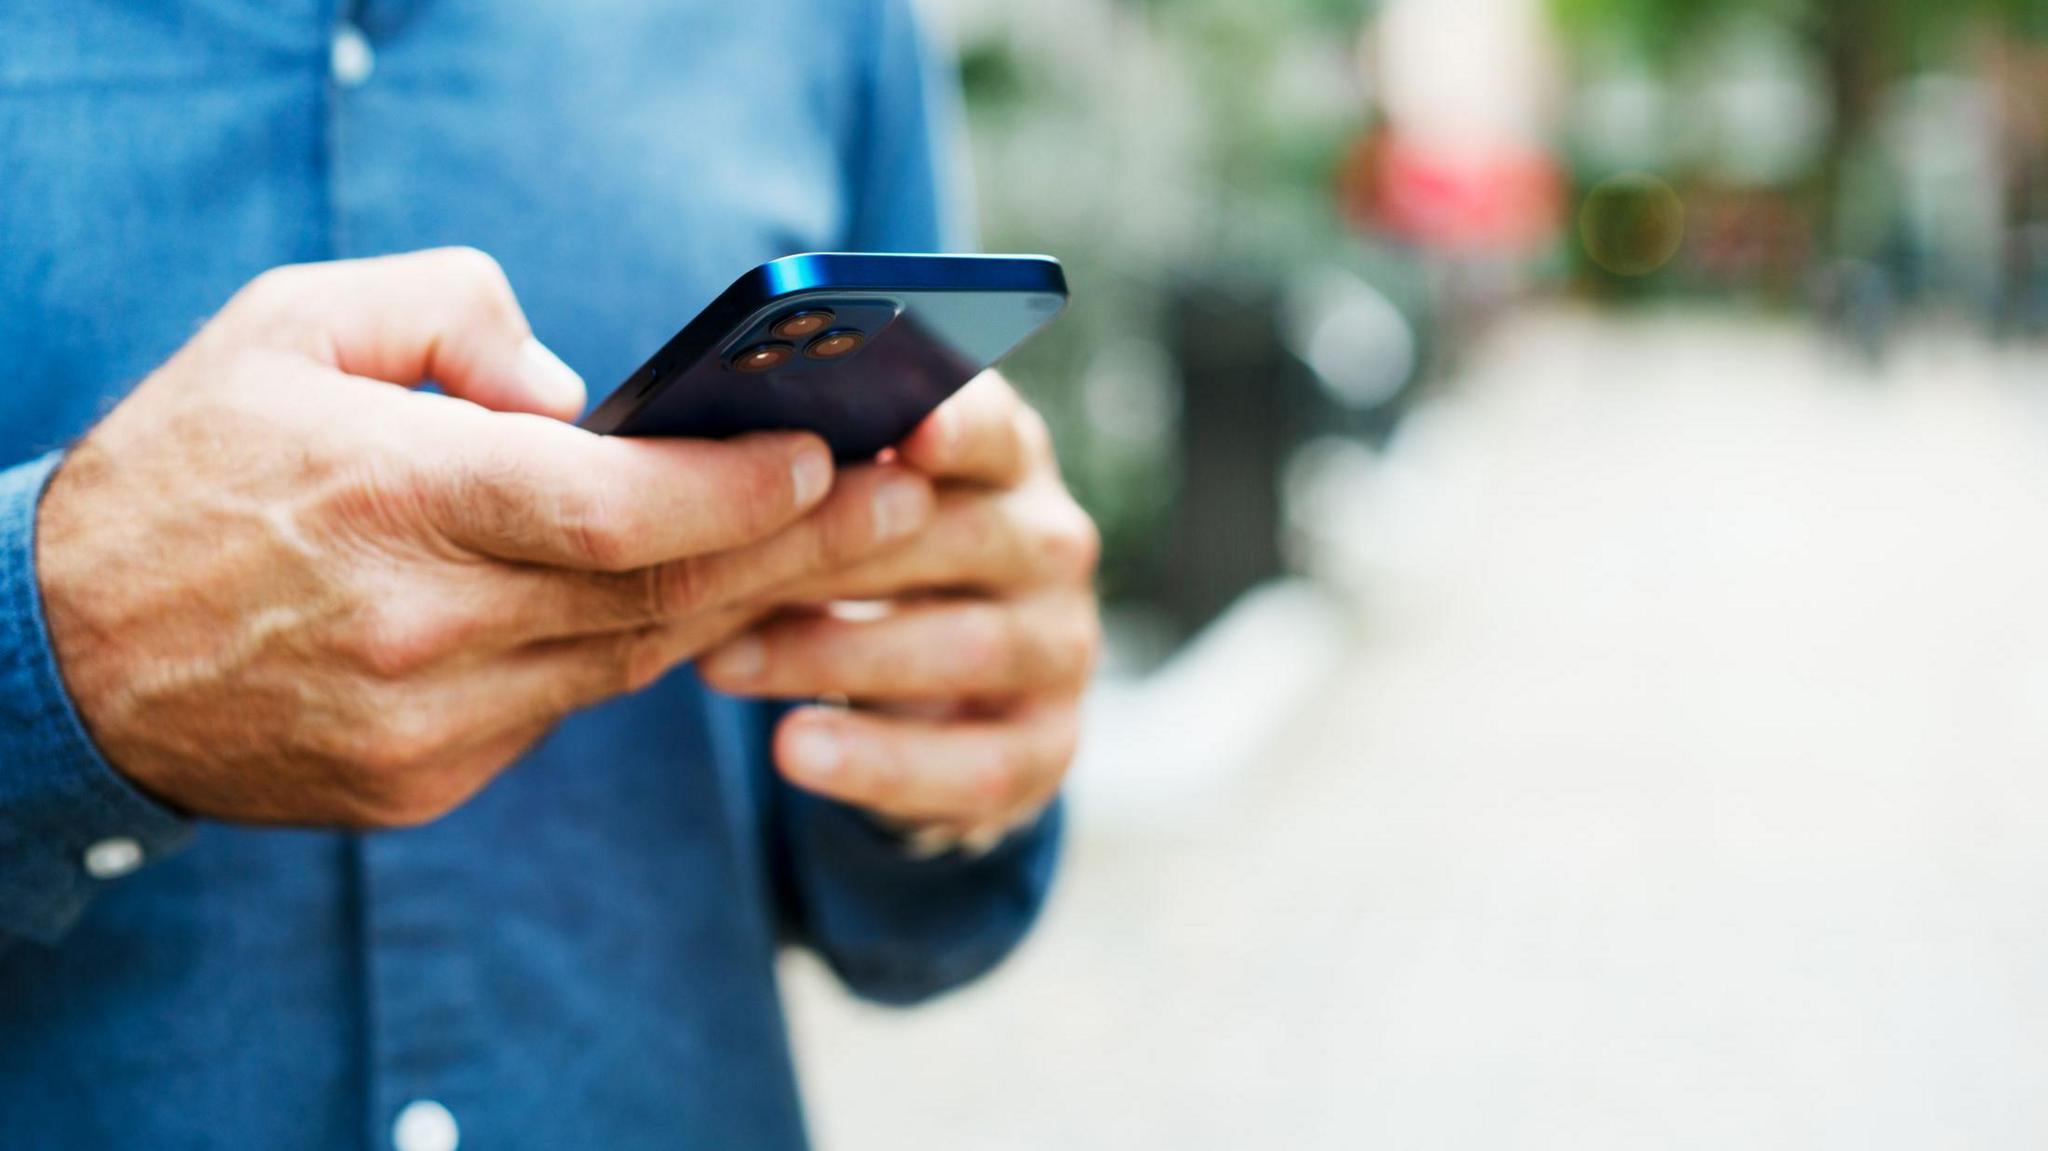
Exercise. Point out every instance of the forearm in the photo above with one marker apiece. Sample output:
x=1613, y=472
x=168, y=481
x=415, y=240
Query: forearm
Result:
x=68, y=822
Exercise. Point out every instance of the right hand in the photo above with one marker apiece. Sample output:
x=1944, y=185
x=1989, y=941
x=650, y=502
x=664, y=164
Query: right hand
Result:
x=282, y=590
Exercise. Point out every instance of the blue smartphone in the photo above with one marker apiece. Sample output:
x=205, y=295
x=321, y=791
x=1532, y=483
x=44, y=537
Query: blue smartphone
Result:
x=856, y=348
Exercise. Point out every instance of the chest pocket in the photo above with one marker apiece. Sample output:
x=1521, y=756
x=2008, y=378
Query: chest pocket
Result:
x=59, y=42
x=152, y=156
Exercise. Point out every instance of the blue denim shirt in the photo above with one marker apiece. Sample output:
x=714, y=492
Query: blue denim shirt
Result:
x=583, y=956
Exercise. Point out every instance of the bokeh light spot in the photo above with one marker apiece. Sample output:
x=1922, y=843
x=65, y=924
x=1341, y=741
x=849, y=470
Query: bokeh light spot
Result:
x=1632, y=224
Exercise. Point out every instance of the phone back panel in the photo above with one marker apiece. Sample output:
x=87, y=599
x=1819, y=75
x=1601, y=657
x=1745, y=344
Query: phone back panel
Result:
x=930, y=324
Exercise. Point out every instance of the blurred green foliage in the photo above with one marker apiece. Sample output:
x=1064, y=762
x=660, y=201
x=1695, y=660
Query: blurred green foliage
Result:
x=1906, y=30
x=1660, y=27
x=1268, y=174
x=1245, y=193
x=1151, y=144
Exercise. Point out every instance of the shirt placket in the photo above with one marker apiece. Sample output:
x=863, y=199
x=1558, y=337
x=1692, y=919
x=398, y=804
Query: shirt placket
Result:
x=419, y=1011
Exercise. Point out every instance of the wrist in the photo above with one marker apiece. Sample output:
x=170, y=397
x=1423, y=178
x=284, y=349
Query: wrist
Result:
x=71, y=821
x=75, y=569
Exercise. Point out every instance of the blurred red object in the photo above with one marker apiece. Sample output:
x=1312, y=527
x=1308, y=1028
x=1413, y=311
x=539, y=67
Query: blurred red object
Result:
x=1501, y=202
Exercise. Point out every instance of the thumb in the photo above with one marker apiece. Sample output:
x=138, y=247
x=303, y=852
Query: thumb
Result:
x=446, y=316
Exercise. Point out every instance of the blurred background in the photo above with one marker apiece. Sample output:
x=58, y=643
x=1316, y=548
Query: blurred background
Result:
x=1575, y=475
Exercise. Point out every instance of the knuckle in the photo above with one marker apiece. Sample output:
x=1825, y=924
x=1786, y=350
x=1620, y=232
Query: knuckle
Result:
x=987, y=644
x=482, y=293
x=596, y=531
x=240, y=369
x=1035, y=765
x=656, y=590
x=1003, y=777
x=1056, y=755
x=1034, y=437
x=1078, y=648
x=684, y=588
x=272, y=286
x=1025, y=657
x=637, y=663
x=391, y=641
x=1073, y=543
x=398, y=748
x=503, y=500
x=1065, y=744
x=274, y=307
x=603, y=668
x=480, y=269
x=662, y=591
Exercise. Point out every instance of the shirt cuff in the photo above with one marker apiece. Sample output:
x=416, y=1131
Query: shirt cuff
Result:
x=69, y=823
x=899, y=929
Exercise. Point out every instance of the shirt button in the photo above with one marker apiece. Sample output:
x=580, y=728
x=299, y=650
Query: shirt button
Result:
x=113, y=858
x=350, y=57
x=425, y=1125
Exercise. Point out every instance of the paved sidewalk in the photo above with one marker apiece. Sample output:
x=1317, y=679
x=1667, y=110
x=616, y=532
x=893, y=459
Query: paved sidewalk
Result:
x=1688, y=788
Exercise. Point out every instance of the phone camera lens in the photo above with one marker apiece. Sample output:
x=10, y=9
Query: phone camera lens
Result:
x=801, y=325
x=835, y=345
x=763, y=358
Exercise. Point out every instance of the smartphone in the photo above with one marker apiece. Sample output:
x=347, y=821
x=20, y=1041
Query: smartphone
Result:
x=856, y=348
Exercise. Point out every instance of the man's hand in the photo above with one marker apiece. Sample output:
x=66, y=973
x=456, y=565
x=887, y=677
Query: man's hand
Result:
x=283, y=590
x=970, y=678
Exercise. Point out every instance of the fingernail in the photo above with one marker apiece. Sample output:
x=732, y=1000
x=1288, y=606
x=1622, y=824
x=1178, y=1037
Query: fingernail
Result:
x=811, y=475
x=556, y=382
x=741, y=661
x=814, y=753
x=899, y=508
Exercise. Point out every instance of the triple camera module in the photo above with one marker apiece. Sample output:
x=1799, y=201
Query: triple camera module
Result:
x=813, y=329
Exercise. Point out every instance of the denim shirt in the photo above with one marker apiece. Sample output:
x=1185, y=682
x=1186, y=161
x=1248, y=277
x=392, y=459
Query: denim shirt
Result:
x=584, y=955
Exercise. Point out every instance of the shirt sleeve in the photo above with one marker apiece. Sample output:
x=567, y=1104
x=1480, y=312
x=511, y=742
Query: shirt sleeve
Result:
x=69, y=823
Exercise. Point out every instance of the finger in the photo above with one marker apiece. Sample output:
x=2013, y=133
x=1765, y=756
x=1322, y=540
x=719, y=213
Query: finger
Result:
x=932, y=840
x=870, y=509
x=927, y=839
x=557, y=678
x=542, y=683
x=982, y=435
x=541, y=492
x=920, y=771
x=446, y=315
x=930, y=650
x=977, y=540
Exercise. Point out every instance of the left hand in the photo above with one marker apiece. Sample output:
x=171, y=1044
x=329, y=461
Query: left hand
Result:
x=969, y=674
